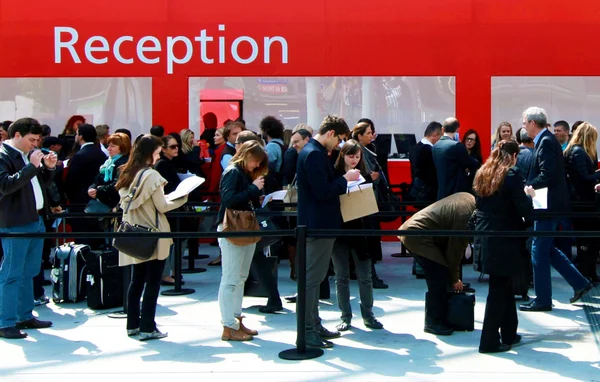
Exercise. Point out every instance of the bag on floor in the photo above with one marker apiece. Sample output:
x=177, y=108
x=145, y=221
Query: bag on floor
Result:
x=68, y=272
x=104, y=279
x=461, y=311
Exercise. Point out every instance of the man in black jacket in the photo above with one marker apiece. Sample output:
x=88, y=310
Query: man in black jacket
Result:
x=82, y=170
x=424, y=175
x=452, y=162
x=548, y=171
x=24, y=173
x=319, y=193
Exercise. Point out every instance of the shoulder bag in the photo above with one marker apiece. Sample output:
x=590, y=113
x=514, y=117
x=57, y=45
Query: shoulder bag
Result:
x=241, y=221
x=141, y=248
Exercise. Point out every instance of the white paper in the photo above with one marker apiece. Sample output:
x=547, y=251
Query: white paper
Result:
x=277, y=195
x=185, y=176
x=66, y=163
x=540, y=201
x=360, y=180
x=359, y=187
x=186, y=186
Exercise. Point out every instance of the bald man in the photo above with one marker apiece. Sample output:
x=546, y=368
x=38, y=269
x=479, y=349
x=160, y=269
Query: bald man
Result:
x=452, y=161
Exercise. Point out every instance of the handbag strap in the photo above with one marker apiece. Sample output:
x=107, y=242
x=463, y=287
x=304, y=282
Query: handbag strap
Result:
x=132, y=194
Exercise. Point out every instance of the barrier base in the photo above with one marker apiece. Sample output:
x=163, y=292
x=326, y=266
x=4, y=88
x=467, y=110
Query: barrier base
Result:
x=193, y=270
x=294, y=355
x=197, y=257
x=173, y=292
x=120, y=314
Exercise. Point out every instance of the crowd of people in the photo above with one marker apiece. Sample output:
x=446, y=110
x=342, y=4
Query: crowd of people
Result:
x=89, y=169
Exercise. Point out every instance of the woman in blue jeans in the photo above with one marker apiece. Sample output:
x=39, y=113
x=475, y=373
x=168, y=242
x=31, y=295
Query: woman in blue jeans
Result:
x=350, y=158
x=241, y=185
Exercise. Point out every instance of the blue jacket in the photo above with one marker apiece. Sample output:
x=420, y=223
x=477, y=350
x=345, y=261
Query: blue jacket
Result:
x=548, y=170
x=452, y=160
x=318, y=189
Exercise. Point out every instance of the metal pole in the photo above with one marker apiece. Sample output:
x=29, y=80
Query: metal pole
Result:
x=301, y=352
x=177, y=291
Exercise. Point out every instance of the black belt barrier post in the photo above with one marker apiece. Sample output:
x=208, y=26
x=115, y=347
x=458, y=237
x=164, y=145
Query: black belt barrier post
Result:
x=177, y=291
x=301, y=352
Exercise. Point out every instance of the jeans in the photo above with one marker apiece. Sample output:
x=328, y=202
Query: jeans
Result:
x=544, y=255
x=341, y=264
x=500, y=314
x=318, y=255
x=146, y=274
x=21, y=263
x=235, y=265
x=437, y=278
x=565, y=244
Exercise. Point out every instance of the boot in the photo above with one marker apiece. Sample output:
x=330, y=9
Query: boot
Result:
x=292, y=259
x=245, y=329
x=231, y=334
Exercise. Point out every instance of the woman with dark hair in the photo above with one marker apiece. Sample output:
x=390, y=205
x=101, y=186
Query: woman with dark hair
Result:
x=241, y=186
x=69, y=146
x=501, y=206
x=350, y=158
x=146, y=204
x=473, y=144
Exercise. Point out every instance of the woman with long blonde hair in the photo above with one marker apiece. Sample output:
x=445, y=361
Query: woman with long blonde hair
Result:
x=581, y=162
x=241, y=186
x=504, y=132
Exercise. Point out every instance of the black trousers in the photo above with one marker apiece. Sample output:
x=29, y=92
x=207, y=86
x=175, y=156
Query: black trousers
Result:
x=147, y=274
x=500, y=314
x=261, y=270
x=437, y=278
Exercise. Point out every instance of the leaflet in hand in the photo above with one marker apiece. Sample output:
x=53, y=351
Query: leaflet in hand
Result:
x=359, y=187
x=540, y=201
x=360, y=180
x=277, y=195
x=186, y=186
x=185, y=176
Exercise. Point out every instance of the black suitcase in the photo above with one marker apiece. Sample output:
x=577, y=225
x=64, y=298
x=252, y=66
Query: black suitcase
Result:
x=68, y=272
x=461, y=311
x=104, y=280
x=255, y=288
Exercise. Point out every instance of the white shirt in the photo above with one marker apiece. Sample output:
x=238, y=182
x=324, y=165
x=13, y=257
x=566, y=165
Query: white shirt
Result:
x=85, y=144
x=425, y=141
x=37, y=188
x=104, y=150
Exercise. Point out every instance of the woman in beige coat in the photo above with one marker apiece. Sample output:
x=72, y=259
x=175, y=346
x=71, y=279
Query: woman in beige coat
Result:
x=148, y=205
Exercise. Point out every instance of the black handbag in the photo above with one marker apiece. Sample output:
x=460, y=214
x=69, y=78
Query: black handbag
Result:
x=95, y=206
x=141, y=248
x=461, y=311
x=385, y=196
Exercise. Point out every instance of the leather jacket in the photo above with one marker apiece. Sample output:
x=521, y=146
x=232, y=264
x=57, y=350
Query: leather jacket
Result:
x=17, y=199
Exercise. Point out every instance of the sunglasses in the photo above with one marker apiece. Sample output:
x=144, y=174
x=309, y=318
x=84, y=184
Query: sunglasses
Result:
x=172, y=147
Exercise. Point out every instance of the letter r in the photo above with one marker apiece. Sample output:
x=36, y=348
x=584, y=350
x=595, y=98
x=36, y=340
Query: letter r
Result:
x=58, y=44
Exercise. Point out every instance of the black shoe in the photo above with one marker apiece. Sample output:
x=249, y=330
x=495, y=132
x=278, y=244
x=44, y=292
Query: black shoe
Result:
x=270, y=309
x=534, y=307
x=324, y=333
x=291, y=299
x=517, y=339
x=378, y=284
x=372, y=323
x=313, y=340
x=439, y=330
x=12, y=333
x=499, y=349
x=34, y=323
x=580, y=293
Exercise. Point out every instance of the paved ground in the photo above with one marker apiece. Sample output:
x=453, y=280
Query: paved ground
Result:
x=85, y=345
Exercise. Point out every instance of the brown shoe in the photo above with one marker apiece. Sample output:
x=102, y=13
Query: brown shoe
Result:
x=231, y=334
x=245, y=329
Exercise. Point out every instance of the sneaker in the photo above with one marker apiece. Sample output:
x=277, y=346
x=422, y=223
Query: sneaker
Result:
x=133, y=332
x=155, y=335
x=41, y=301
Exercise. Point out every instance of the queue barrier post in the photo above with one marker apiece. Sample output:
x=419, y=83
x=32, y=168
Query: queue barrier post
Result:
x=301, y=352
x=177, y=291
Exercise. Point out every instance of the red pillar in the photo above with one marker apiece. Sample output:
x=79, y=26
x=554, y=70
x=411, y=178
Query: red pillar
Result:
x=170, y=102
x=474, y=106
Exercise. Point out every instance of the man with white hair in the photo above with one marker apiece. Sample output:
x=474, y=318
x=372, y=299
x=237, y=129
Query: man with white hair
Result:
x=547, y=170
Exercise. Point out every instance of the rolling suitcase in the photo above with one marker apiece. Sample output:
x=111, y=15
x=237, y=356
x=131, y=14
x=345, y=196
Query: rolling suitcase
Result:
x=104, y=279
x=67, y=275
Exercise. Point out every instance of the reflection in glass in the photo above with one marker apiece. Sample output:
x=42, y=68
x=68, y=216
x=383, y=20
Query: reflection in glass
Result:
x=117, y=102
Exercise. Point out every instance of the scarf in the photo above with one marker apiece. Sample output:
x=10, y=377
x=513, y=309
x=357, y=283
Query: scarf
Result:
x=107, y=168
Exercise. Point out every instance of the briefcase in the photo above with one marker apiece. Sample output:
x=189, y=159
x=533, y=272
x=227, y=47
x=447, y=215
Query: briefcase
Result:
x=461, y=311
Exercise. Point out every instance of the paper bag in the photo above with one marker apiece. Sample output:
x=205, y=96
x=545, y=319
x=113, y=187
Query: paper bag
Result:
x=358, y=202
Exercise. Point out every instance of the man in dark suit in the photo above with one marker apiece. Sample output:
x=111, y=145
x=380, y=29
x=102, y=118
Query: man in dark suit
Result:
x=319, y=191
x=82, y=170
x=548, y=171
x=452, y=162
x=424, y=175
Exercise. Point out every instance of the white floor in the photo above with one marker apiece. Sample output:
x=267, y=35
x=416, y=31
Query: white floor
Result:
x=86, y=345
